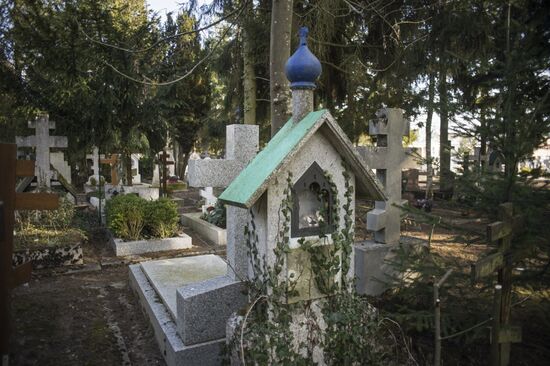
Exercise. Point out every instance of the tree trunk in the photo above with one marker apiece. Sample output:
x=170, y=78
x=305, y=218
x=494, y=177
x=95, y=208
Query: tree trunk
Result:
x=430, y=112
x=249, y=76
x=279, y=52
x=128, y=168
x=509, y=148
x=482, y=135
x=444, y=143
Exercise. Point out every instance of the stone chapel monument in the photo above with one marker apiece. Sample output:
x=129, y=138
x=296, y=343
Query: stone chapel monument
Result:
x=310, y=166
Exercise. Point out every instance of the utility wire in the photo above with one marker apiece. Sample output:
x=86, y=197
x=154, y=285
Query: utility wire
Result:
x=176, y=35
x=180, y=78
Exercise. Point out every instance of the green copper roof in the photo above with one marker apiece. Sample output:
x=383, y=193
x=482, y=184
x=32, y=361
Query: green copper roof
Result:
x=251, y=183
x=266, y=162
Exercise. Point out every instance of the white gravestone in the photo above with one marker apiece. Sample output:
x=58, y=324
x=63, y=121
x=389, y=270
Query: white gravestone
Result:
x=388, y=158
x=136, y=176
x=209, y=199
x=241, y=146
x=42, y=141
x=94, y=157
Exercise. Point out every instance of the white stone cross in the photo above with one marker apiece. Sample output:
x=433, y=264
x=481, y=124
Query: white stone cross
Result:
x=42, y=141
x=389, y=159
x=94, y=157
x=240, y=147
x=209, y=199
x=136, y=178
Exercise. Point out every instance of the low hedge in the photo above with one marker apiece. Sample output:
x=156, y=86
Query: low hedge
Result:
x=131, y=217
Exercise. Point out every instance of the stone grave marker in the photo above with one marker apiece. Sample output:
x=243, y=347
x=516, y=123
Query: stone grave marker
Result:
x=241, y=146
x=190, y=323
x=42, y=142
x=136, y=176
x=94, y=157
x=373, y=258
x=209, y=199
x=389, y=159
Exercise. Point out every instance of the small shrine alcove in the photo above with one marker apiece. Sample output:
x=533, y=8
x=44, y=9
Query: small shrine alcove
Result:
x=312, y=206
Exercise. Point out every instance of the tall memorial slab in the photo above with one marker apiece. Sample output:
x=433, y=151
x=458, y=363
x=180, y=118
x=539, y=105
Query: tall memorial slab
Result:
x=42, y=142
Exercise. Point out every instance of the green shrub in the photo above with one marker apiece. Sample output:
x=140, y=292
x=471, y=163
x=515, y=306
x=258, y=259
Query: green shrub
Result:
x=162, y=218
x=216, y=215
x=126, y=216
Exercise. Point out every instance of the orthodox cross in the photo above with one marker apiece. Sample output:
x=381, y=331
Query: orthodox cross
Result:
x=163, y=156
x=240, y=147
x=42, y=141
x=502, y=333
x=94, y=157
x=10, y=201
x=388, y=158
x=113, y=163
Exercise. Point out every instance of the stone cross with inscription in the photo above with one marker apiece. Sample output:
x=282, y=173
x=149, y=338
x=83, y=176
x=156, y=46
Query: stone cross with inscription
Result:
x=240, y=147
x=42, y=141
x=389, y=159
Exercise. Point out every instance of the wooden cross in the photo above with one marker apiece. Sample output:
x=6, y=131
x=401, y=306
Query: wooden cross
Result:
x=10, y=201
x=163, y=156
x=42, y=141
x=113, y=163
x=503, y=334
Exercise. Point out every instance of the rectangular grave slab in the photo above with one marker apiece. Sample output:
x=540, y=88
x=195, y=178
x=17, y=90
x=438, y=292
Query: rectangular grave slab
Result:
x=171, y=346
x=167, y=275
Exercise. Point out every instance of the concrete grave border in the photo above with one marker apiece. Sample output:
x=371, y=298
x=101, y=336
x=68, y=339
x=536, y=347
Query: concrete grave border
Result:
x=125, y=248
x=54, y=256
x=210, y=232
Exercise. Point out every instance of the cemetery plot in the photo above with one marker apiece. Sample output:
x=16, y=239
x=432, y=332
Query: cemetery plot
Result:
x=141, y=226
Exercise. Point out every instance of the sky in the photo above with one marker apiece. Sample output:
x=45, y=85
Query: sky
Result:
x=164, y=6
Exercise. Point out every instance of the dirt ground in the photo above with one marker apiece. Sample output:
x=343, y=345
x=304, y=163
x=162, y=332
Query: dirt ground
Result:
x=88, y=315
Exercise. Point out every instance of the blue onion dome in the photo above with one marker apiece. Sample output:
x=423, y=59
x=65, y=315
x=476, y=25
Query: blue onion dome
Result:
x=303, y=68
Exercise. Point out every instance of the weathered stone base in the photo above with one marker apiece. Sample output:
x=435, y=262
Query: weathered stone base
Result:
x=124, y=248
x=50, y=257
x=170, y=343
x=206, y=230
x=374, y=267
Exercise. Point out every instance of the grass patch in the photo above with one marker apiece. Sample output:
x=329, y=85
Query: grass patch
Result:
x=179, y=186
x=33, y=237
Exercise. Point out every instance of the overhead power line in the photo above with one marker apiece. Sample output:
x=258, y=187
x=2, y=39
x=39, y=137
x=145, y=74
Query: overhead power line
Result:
x=164, y=39
x=179, y=78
